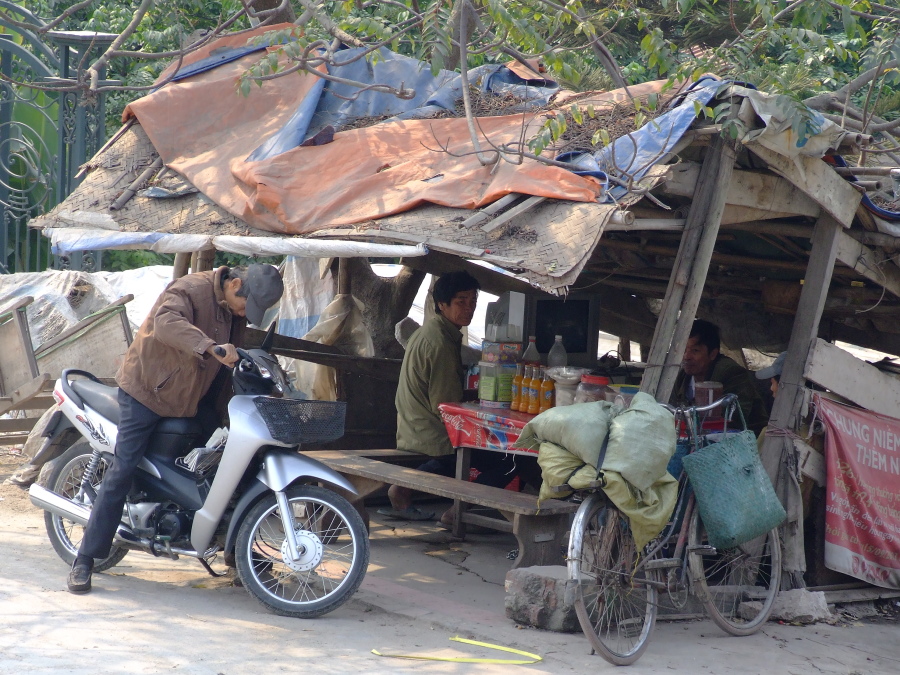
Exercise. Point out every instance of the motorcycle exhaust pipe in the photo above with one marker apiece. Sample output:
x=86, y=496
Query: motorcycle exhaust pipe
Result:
x=78, y=513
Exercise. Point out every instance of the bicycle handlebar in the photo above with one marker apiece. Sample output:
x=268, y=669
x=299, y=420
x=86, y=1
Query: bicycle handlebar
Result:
x=728, y=399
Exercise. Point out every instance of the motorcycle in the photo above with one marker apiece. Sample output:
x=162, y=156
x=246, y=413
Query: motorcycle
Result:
x=299, y=547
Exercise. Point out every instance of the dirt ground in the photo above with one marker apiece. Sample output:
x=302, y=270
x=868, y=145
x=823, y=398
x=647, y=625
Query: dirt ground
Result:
x=151, y=615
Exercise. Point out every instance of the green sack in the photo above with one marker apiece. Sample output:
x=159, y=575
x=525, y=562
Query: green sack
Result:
x=734, y=494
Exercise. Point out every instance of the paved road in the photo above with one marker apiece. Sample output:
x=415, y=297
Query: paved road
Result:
x=153, y=615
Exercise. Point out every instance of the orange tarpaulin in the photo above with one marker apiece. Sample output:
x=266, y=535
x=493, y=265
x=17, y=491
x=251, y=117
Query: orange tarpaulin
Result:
x=204, y=129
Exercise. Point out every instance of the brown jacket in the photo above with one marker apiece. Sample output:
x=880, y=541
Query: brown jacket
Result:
x=166, y=367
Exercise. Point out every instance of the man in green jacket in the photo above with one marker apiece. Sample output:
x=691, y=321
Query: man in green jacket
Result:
x=702, y=362
x=432, y=373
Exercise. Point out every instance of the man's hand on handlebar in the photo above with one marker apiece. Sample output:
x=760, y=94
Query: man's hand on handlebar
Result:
x=225, y=354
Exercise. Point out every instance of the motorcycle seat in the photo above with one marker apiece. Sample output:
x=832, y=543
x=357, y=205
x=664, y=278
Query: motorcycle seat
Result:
x=103, y=399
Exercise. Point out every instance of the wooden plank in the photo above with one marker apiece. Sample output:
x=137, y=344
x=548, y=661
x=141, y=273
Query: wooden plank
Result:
x=383, y=454
x=17, y=424
x=489, y=210
x=13, y=439
x=98, y=347
x=854, y=379
x=517, y=210
x=18, y=398
x=870, y=264
x=451, y=488
x=379, y=368
x=751, y=189
x=816, y=179
x=860, y=595
x=689, y=272
x=17, y=366
x=810, y=461
x=84, y=323
x=438, y=263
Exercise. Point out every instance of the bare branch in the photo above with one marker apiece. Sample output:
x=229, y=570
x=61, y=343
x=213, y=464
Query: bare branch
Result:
x=35, y=28
x=466, y=95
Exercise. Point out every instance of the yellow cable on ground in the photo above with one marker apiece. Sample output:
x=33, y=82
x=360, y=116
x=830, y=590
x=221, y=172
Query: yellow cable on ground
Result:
x=462, y=659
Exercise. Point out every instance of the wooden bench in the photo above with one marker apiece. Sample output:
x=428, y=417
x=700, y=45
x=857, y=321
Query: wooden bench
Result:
x=539, y=530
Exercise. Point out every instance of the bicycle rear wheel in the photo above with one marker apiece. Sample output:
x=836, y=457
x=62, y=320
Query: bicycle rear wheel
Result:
x=616, y=609
x=737, y=585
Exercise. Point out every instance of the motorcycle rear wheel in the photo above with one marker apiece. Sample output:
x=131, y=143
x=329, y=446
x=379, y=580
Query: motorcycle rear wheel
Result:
x=333, y=560
x=65, y=480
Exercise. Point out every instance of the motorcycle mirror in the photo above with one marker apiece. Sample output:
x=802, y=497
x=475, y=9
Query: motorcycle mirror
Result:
x=269, y=339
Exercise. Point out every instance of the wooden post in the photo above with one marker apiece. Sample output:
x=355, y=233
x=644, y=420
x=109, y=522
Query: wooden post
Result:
x=690, y=270
x=182, y=265
x=778, y=453
x=343, y=276
x=205, y=259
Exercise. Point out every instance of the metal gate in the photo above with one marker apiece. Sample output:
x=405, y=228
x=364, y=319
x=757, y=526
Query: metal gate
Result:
x=45, y=136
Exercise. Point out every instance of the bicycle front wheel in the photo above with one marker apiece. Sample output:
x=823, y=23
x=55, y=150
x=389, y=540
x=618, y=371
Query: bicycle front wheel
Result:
x=615, y=607
x=737, y=585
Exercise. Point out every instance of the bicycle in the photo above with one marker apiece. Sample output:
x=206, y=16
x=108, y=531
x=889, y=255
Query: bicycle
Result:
x=617, y=586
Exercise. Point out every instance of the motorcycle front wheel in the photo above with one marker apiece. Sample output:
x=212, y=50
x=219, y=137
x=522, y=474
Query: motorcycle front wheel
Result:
x=65, y=480
x=333, y=553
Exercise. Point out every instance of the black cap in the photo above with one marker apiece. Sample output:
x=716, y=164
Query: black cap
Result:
x=263, y=289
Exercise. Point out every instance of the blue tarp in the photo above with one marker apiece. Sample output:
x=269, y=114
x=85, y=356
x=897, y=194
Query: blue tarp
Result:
x=332, y=104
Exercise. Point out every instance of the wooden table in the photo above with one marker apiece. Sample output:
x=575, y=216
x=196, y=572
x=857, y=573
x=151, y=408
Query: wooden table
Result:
x=474, y=427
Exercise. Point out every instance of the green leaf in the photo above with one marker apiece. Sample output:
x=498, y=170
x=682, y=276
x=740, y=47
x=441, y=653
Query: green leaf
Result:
x=576, y=114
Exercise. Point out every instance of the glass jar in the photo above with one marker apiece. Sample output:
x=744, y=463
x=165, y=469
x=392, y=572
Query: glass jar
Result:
x=591, y=388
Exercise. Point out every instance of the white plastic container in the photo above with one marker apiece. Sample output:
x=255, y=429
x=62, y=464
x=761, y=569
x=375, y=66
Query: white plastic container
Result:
x=567, y=379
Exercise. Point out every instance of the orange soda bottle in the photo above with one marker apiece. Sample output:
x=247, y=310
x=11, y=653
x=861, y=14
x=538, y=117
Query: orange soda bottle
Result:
x=548, y=393
x=517, y=387
x=525, y=389
x=534, y=391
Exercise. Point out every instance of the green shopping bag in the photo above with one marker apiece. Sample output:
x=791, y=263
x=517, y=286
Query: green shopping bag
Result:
x=734, y=494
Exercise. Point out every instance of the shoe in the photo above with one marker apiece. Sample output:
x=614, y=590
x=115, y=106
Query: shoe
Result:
x=80, y=579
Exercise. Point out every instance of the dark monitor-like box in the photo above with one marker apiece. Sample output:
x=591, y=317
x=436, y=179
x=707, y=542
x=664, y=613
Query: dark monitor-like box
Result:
x=576, y=318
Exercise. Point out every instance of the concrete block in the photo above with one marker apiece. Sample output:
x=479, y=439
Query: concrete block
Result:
x=800, y=606
x=537, y=596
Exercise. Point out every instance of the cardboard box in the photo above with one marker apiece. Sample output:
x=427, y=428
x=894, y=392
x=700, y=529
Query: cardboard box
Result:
x=501, y=352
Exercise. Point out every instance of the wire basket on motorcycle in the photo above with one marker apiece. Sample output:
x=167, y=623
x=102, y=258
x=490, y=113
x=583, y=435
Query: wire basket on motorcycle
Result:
x=299, y=421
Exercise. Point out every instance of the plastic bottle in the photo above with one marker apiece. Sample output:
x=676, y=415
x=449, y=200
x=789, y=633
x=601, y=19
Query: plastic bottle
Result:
x=525, y=390
x=548, y=388
x=534, y=392
x=531, y=357
x=557, y=357
x=517, y=387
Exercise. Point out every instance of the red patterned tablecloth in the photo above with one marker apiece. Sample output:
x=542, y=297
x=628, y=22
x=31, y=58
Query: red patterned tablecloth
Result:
x=471, y=426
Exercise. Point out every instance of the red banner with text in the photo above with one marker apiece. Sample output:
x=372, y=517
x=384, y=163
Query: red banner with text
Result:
x=862, y=519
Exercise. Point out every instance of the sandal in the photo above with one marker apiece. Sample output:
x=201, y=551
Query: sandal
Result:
x=411, y=513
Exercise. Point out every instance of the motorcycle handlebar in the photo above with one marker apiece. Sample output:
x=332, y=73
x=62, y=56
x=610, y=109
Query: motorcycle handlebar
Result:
x=244, y=364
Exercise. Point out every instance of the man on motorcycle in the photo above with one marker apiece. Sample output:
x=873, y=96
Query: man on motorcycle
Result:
x=167, y=370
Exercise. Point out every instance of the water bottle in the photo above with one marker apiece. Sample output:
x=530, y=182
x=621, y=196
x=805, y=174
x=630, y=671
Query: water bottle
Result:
x=557, y=357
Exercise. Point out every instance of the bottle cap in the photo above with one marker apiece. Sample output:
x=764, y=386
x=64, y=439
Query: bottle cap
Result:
x=595, y=379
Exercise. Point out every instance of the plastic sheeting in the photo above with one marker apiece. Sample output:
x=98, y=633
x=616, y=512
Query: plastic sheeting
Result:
x=63, y=298
x=340, y=325
x=67, y=240
x=632, y=156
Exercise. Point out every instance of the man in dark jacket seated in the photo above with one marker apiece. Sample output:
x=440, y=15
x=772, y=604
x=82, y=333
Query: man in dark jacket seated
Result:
x=702, y=362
